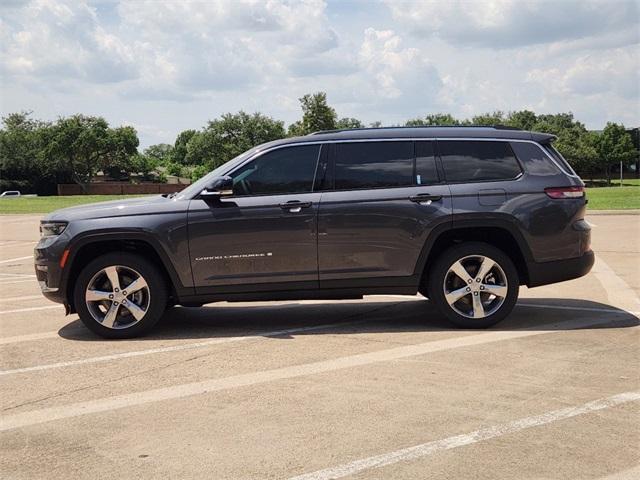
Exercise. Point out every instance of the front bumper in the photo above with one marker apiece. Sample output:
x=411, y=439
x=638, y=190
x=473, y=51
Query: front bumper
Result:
x=49, y=273
x=544, y=273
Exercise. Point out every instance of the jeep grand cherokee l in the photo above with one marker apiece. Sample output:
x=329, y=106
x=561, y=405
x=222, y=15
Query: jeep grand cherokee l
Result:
x=462, y=215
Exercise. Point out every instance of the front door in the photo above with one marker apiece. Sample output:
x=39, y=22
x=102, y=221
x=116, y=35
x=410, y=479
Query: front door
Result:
x=263, y=235
x=385, y=199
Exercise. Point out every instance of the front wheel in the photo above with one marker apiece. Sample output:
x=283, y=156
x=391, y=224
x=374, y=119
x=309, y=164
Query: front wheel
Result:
x=474, y=284
x=120, y=295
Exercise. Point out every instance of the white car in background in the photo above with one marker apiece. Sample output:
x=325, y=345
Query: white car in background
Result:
x=10, y=194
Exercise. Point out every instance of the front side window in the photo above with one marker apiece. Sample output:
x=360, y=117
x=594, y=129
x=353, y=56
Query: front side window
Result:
x=281, y=171
x=478, y=161
x=361, y=165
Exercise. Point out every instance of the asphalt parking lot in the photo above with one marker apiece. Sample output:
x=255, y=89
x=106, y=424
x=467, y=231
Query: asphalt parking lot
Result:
x=378, y=388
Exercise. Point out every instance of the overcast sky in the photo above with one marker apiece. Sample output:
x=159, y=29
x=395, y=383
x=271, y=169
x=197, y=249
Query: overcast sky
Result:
x=165, y=66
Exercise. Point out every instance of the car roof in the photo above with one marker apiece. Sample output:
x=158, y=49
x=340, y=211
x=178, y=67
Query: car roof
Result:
x=508, y=133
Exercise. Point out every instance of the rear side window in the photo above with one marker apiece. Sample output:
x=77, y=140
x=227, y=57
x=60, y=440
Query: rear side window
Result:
x=478, y=161
x=281, y=171
x=361, y=165
x=426, y=170
x=535, y=161
x=559, y=158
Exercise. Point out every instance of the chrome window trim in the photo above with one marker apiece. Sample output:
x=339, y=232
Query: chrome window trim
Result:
x=395, y=139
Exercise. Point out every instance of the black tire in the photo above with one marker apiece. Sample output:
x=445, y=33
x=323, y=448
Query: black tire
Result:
x=127, y=263
x=471, y=252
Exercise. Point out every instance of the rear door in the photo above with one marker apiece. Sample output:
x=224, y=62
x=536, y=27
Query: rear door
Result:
x=483, y=176
x=381, y=201
x=265, y=234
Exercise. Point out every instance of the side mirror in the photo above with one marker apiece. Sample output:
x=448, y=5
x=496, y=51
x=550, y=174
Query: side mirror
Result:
x=218, y=187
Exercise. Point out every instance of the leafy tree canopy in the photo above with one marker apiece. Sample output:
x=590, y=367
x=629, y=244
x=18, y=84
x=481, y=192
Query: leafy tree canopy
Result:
x=433, y=119
x=317, y=115
x=614, y=146
x=179, y=151
x=84, y=145
x=349, y=122
x=162, y=152
x=229, y=136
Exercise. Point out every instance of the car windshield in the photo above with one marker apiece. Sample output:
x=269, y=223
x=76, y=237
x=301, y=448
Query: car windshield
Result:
x=199, y=185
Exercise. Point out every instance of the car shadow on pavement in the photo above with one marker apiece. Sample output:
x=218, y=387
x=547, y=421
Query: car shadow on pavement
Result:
x=285, y=320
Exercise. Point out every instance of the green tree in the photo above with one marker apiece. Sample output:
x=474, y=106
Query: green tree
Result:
x=584, y=159
x=85, y=145
x=179, y=151
x=175, y=169
x=162, y=152
x=433, y=119
x=22, y=164
x=489, y=119
x=317, y=115
x=144, y=165
x=231, y=135
x=614, y=146
x=198, y=172
x=574, y=142
x=523, y=119
x=349, y=122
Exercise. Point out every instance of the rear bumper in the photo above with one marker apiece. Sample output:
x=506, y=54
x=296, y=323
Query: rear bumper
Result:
x=544, y=273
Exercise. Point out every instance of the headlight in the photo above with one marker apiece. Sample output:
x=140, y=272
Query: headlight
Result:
x=52, y=229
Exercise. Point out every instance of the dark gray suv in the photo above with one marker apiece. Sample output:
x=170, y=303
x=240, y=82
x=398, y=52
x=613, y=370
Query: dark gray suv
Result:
x=463, y=215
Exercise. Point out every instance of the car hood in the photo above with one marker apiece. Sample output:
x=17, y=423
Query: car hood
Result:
x=117, y=208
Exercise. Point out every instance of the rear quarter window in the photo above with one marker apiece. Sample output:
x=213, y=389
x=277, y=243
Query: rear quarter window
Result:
x=534, y=160
x=559, y=158
x=478, y=161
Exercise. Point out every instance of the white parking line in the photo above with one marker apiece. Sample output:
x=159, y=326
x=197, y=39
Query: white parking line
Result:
x=30, y=275
x=28, y=337
x=174, y=348
x=18, y=299
x=16, y=259
x=189, y=346
x=11, y=282
x=429, y=448
x=619, y=293
x=33, y=417
x=583, y=309
x=632, y=473
x=31, y=309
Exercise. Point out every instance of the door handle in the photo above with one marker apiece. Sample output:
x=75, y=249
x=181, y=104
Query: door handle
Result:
x=425, y=198
x=295, y=206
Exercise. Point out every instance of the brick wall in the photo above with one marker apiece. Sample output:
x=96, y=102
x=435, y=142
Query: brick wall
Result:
x=120, y=188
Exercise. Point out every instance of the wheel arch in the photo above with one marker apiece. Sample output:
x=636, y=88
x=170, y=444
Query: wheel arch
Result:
x=494, y=231
x=86, y=248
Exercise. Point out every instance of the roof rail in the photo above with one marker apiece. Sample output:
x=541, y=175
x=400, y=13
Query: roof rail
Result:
x=338, y=130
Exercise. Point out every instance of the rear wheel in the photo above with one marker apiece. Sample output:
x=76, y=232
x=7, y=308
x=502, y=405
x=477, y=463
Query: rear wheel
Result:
x=474, y=284
x=120, y=295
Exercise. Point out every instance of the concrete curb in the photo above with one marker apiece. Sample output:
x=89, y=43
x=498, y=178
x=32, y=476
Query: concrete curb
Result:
x=614, y=212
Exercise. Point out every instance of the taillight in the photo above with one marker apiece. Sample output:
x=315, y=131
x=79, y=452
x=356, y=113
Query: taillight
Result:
x=565, y=192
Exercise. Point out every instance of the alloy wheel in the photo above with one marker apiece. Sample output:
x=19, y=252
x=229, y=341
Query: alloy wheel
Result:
x=475, y=286
x=117, y=297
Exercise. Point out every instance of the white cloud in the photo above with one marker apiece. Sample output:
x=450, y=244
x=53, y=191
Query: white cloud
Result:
x=515, y=23
x=615, y=73
x=401, y=75
x=57, y=39
x=170, y=65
